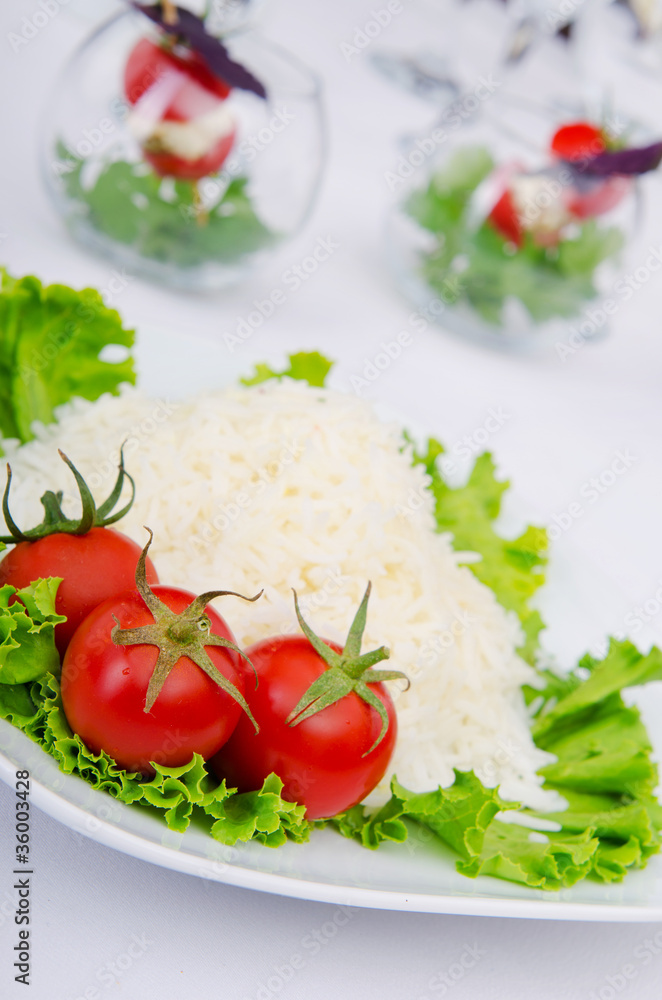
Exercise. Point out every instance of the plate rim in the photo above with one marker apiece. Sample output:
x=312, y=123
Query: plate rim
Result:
x=110, y=835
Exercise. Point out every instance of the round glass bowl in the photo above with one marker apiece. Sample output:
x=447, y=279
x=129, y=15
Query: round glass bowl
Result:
x=495, y=239
x=200, y=233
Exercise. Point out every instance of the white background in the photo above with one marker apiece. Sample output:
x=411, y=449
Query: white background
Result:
x=566, y=422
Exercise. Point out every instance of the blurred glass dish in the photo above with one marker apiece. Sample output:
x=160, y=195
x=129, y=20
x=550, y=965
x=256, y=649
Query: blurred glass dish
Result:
x=154, y=162
x=506, y=240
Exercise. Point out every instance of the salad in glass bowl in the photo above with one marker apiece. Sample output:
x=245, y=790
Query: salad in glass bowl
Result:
x=518, y=229
x=177, y=158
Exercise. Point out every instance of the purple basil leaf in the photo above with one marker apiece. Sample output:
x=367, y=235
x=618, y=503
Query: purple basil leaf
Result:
x=192, y=30
x=638, y=160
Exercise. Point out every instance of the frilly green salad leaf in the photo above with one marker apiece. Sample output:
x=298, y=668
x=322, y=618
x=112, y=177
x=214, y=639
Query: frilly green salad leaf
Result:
x=604, y=771
x=511, y=568
x=27, y=637
x=50, y=342
x=180, y=794
x=306, y=366
x=459, y=815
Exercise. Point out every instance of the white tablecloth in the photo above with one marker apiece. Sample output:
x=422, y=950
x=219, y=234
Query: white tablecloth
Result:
x=106, y=925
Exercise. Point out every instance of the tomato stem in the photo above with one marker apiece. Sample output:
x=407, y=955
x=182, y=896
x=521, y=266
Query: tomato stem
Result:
x=177, y=635
x=55, y=521
x=347, y=671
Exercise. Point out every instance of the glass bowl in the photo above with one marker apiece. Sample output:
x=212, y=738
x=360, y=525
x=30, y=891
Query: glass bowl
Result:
x=497, y=240
x=115, y=195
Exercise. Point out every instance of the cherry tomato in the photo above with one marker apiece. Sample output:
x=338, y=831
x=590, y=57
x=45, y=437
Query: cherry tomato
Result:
x=93, y=567
x=578, y=141
x=320, y=761
x=505, y=219
x=104, y=689
x=196, y=92
x=599, y=197
x=148, y=62
x=169, y=165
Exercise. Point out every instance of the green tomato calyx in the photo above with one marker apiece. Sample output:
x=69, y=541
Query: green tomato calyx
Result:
x=55, y=521
x=346, y=672
x=176, y=635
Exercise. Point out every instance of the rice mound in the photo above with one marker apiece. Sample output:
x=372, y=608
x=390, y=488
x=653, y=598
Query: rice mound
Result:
x=280, y=486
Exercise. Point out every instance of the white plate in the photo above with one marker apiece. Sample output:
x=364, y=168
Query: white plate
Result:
x=414, y=876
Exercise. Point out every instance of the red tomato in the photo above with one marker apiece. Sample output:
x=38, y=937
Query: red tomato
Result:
x=600, y=197
x=93, y=567
x=104, y=688
x=148, y=62
x=320, y=761
x=198, y=92
x=578, y=141
x=169, y=165
x=505, y=219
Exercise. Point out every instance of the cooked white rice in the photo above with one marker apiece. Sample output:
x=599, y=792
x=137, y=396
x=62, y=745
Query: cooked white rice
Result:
x=283, y=486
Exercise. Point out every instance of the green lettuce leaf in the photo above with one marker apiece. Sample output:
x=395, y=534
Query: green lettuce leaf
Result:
x=179, y=794
x=27, y=636
x=263, y=815
x=555, y=861
x=49, y=351
x=624, y=666
x=511, y=568
x=603, y=770
x=459, y=815
x=306, y=366
x=130, y=204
